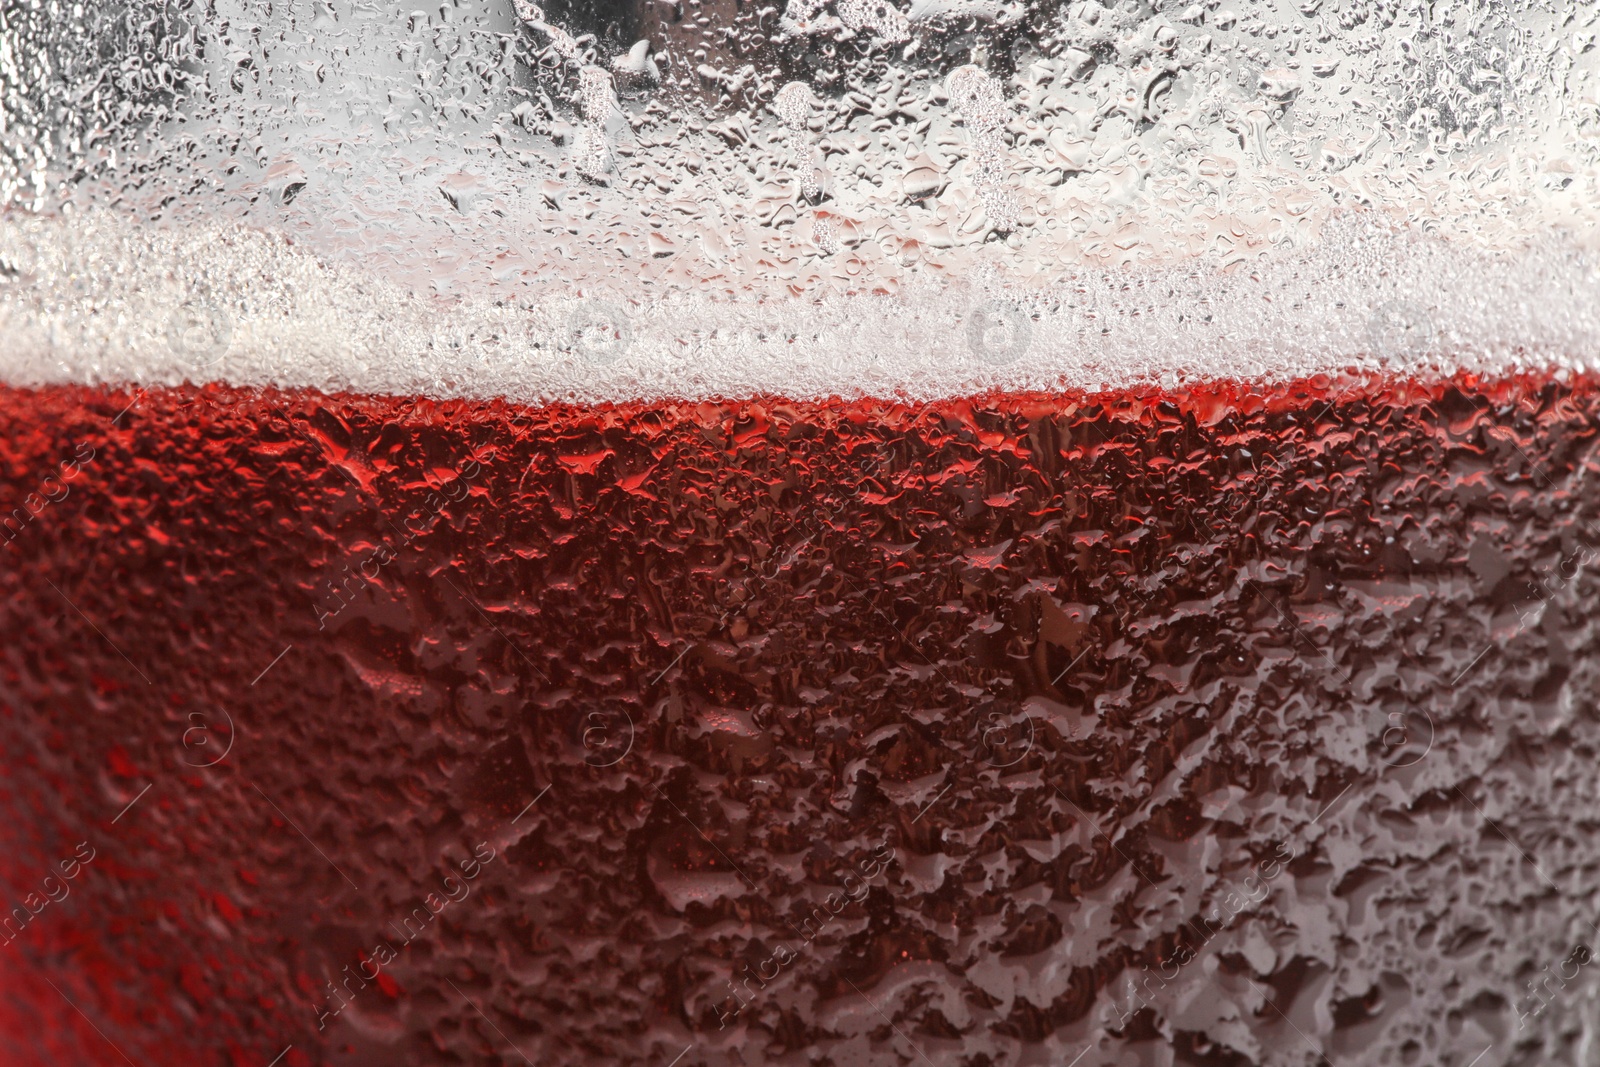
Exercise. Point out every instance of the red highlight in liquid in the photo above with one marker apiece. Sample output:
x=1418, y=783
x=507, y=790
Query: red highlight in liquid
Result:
x=415, y=732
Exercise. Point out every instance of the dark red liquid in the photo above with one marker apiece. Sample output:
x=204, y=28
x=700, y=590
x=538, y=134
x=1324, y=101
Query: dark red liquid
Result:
x=824, y=713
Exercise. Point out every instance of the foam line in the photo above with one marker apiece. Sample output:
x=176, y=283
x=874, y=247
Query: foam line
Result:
x=103, y=299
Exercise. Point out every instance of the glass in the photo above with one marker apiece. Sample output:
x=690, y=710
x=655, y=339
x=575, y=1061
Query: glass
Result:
x=717, y=533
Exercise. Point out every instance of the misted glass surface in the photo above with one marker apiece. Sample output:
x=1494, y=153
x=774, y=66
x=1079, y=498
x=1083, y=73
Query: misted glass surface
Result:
x=824, y=532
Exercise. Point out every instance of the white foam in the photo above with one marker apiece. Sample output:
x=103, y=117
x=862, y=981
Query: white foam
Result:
x=106, y=300
x=451, y=201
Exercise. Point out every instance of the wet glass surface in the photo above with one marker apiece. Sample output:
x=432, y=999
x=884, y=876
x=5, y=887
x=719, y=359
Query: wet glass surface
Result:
x=1231, y=726
x=827, y=532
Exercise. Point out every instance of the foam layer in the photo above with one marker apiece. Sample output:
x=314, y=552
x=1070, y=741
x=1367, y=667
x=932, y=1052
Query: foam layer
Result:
x=822, y=199
x=105, y=300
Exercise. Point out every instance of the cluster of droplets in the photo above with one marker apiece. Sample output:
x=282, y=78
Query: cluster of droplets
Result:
x=793, y=105
x=597, y=100
x=561, y=43
x=977, y=98
x=879, y=18
x=595, y=91
x=79, y=80
x=843, y=147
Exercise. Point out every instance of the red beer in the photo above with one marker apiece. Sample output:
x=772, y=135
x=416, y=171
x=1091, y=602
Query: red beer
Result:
x=767, y=725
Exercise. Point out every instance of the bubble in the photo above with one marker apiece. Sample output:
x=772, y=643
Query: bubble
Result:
x=199, y=333
x=999, y=331
x=600, y=331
